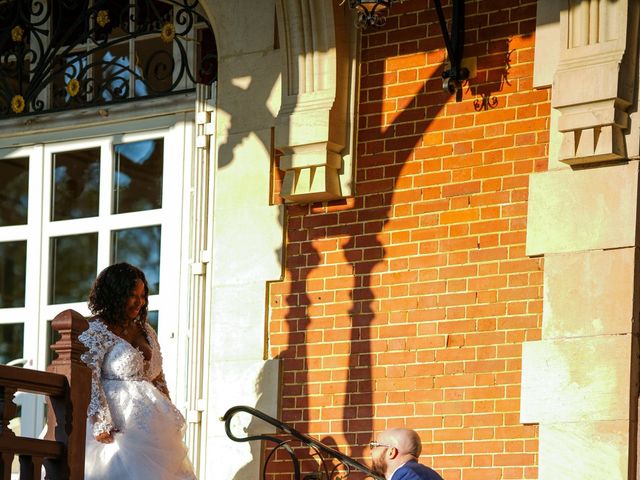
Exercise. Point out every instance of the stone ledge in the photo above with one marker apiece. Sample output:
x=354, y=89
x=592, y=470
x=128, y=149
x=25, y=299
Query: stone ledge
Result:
x=588, y=293
x=574, y=380
x=590, y=209
x=585, y=450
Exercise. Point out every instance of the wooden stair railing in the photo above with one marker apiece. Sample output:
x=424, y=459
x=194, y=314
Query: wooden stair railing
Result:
x=61, y=453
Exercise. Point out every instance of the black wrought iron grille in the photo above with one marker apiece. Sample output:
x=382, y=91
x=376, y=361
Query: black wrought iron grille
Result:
x=64, y=54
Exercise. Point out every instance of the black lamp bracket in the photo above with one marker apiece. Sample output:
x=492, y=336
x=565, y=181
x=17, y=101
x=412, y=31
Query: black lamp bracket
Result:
x=453, y=77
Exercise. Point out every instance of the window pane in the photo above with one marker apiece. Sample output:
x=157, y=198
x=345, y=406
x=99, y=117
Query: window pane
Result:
x=13, y=267
x=139, y=247
x=207, y=63
x=9, y=12
x=157, y=66
x=15, y=57
x=137, y=179
x=76, y=184
x=112, y=74
x=155, y=61
x=152, y=318
x=68, y=26
x=14, y=191
x=11, y=341
x=66, y=68
x=73, y=267
x=112, y=20
x=152, y=14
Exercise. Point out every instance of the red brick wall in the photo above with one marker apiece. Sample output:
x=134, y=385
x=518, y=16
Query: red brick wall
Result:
x=408, y=304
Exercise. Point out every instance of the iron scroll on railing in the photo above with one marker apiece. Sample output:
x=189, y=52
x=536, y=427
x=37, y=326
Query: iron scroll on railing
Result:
x=326, y=455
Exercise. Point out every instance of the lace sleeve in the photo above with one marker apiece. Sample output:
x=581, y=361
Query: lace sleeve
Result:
x=97, y=339
x=158, y=379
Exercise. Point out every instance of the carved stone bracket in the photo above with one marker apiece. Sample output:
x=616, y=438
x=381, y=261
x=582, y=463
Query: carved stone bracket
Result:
x=595, y=80
x=594, y=132
x=316, y=122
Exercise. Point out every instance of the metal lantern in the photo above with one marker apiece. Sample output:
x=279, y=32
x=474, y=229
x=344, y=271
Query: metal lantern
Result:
x=370, y=12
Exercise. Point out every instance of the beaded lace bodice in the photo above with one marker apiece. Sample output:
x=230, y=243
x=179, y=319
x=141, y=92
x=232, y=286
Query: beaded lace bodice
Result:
x=112, y=358
x=125, y=362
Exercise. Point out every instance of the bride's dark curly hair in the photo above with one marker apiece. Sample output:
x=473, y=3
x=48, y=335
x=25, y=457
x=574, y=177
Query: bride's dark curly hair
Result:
x=110, y=290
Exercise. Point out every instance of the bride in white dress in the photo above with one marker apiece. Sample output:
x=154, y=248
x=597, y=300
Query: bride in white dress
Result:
x=133, y=429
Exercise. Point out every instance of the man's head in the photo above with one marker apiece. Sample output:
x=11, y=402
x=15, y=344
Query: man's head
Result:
x=394, y=447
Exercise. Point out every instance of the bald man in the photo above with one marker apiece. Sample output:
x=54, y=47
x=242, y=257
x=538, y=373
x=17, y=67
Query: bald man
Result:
x=395, y=455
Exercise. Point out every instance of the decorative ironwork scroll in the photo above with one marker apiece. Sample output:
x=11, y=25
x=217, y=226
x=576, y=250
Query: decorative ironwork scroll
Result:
x=331, y=464
x=64, y=54
x=485, y=102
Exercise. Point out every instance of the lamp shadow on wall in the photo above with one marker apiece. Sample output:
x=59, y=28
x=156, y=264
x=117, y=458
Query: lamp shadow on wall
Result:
x=373, y=205
x=493, y=78
x=363, y=252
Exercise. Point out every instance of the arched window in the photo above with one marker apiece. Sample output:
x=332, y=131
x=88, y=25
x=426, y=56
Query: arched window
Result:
x=65, y=54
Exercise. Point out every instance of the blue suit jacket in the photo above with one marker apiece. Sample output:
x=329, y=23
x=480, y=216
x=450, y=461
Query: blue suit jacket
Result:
x=413, y=470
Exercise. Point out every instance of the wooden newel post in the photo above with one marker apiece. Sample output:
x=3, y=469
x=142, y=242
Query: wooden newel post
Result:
x=67, y=416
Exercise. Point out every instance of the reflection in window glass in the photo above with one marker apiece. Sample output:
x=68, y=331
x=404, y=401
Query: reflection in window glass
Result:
x=75, y=185
x=13, y=270
x=72, y=267
x=152, y=13
x=137, y=176
x=118, y=12
x=152, y=318
x=14, y=191
x=69, y=27
x=114, y=69
x=139, y=247
x=207, y=63
x=157, y=59
x=68, y=66
x=11, y=342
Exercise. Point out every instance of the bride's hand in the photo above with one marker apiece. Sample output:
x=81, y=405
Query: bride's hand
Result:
x=105, y=437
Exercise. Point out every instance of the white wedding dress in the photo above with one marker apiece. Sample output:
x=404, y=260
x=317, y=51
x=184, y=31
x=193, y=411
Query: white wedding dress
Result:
x=148, y=440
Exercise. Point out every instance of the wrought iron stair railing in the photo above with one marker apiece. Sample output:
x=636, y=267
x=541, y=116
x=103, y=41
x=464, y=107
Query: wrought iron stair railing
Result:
x=331, y=464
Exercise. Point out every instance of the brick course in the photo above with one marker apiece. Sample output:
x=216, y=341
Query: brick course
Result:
x=408, y=304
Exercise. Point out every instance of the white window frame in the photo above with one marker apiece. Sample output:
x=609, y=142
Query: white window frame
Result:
x=30, y=424
x=177, y=131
